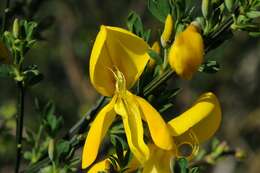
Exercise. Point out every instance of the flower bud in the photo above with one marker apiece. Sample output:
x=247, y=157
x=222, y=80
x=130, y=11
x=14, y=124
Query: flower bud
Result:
x=205, y=7
x=168, y=27
x=186, y=53
x=157, y=49
x=51, y=149
x=16, y=28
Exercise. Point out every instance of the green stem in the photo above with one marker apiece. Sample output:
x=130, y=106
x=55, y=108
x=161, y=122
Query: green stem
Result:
x=5, y=15
x=19, y=125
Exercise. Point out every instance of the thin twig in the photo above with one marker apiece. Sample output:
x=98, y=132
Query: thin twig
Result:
x=5, y=15
x=19, y=126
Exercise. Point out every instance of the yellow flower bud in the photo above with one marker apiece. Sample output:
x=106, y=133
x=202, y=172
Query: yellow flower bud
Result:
x=157, y=49
x=186, y=53
x=168, y=27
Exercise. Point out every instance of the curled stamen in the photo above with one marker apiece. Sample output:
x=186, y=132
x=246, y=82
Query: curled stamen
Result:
x=120, y=80
x=187, y=145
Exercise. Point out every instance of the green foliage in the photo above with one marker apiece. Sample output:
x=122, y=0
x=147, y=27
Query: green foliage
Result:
x=181, y=166
x=209, y=67
x=159, y=9
x=135, y=25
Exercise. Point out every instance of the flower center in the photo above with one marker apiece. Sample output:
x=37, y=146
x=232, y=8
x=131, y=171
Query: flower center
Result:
x=120, y=82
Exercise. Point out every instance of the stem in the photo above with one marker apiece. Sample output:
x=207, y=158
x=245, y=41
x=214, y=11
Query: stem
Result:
x=5, y=15
x=19, y=125
x=165, y=58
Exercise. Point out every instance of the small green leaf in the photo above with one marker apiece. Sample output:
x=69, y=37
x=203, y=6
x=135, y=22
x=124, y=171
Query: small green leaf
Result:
x=134, y=24
x=159, y=8
x=63, y=148
x=253, y=14
x=194, y=170
x=209, y=67
x=181, y=166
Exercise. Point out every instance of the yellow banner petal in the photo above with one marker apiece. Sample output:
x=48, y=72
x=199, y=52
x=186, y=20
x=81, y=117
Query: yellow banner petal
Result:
x=157, y=127
x=116, y=48
x=96, y=133
x=127, y=107
x=203, y=118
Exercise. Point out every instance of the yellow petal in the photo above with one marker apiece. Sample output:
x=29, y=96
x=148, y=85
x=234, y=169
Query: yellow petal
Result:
x=203, y=118
x=128, y=108
x=116, y=48
x=157, y=127
x=167, y=31
x=96, y=133
x=159, y=161
x=102, y=166
x=186, y=53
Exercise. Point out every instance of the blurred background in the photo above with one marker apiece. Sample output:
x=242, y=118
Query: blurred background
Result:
x=63, y=54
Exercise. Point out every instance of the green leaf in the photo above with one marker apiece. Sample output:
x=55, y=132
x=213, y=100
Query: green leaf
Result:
x=253, y=14
x=134, y=24
x=194, y=170
x=254, y=34
x=159, y=8
x=63, y=148
x=32, y=76
x=181, y=166
x=209, y=67
x=154, y=55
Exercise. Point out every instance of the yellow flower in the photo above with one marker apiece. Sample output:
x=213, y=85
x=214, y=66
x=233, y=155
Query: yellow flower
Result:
x=189, y=129
x=117, y=60
x=186, y=53
x=167, y=31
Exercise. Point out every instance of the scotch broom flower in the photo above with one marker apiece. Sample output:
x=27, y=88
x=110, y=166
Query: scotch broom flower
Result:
x=167, y=31
x=117, y=60
x=189, y=129
x=186, y=53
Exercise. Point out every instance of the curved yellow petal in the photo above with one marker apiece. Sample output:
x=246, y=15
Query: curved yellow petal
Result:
x=186, y=53
x=102, y=166
x=203, y=118
x=116, y=48
x=159, y=161
x=157, y=127
x=128, y=108
x=96, y=133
